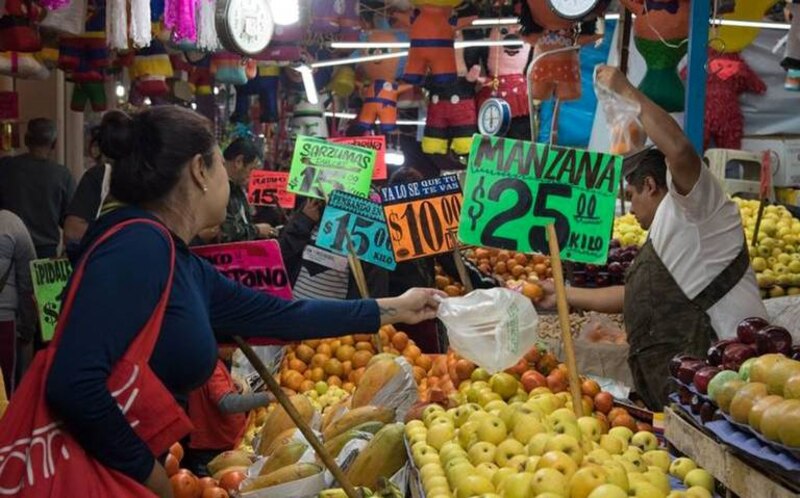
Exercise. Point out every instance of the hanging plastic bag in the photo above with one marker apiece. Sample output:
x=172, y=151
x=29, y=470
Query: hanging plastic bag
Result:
x=622, y=115
x=493, y=328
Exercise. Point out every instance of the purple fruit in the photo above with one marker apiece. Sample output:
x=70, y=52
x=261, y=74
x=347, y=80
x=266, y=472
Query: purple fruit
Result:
x=736, y=354
x=773, y=339
x=602, y=279
x=795, y=353
x=707, y=412
x=591, y=269
x=677, y=360
x=716, y=351
x=615, y=268
x=615, y=243
x=703, y=376
x=696, y=405
x=684, y=395
x=747, y=329
x=688, y=368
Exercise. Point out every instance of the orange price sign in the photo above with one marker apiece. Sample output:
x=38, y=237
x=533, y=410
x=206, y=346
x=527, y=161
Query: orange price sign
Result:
x=423, y=216
x=268, y=188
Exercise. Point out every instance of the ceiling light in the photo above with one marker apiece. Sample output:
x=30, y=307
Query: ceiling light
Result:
x=614, y=17
x=495, y=22
x=120, y=90
x=285, y=12
x=458, y=44
x=400, y=122
x=395, y=157
x=309, y=84
x=355, y=60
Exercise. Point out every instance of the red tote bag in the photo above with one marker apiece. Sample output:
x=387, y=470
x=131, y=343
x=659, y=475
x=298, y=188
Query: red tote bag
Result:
x=40, y=458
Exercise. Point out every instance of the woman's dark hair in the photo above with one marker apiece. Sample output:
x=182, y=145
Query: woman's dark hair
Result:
x=151, y=148
x=242, y=147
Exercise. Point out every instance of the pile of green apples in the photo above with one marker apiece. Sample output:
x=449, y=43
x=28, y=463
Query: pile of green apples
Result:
x=538, y=448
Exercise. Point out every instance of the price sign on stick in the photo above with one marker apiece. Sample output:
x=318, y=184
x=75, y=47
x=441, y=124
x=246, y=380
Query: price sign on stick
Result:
x=49, y=277
x=320, y=167
x=515, y=188
x=268, y=188
x=349, y=221
x=422, y=216
x=376, y=143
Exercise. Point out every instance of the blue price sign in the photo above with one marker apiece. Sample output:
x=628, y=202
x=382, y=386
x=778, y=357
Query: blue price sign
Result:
x=350, y=220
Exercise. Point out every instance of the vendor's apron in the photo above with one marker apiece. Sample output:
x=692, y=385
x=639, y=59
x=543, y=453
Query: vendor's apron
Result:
x=661, y=321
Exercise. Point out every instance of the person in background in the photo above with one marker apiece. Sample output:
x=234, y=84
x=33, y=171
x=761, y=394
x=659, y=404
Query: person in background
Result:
x=692, y=282
x=37, y=189
x=219, y=414
x=17, y=313
x=242, y=156
x=87, y=203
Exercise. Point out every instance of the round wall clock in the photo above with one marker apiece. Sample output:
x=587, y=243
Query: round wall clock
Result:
x=244, y=26
x=573, y=9
x=494, y=117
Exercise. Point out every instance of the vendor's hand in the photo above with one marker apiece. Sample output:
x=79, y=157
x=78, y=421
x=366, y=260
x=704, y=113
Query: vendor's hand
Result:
x=414, y=306
x=158, y=482
x=265, y=231
x=612, y=78
x=548, y=300
x=313, y=209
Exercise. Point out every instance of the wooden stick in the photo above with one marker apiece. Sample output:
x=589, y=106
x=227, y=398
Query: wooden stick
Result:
x=563, y=319
x=759, y=216
x=301, y=424
x=625, y=22
x=463, y=274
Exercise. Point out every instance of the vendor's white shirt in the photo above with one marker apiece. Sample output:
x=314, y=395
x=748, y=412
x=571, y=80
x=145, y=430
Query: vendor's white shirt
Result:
x=697, y=236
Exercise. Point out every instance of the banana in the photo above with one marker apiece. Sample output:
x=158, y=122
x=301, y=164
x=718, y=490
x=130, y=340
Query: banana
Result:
x=235, y=458
x=356, y=417
x=285, y=455
x=286, y=474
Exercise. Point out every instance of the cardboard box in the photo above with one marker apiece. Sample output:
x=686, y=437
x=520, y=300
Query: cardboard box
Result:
x=786, y=157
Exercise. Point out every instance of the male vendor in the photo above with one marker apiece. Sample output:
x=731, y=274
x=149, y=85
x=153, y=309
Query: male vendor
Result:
x=691, y=283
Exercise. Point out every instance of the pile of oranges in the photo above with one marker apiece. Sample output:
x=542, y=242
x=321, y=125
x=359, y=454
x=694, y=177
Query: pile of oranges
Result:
x=448, y=284
x=518, y=271
x=398, y=342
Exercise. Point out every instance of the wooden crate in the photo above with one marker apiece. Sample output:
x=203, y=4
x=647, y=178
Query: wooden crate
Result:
x=738, y=476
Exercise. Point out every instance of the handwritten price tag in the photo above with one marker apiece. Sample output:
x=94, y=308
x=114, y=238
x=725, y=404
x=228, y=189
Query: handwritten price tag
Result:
x=376, y=143
x=349, y=219
x=423, y=216
x=320, y=167
x=514, y=189
x=49, y=277
x=268, y=188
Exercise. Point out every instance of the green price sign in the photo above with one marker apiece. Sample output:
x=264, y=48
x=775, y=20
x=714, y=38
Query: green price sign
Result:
x=514, y=189
x=320, y=167
x=49, y=277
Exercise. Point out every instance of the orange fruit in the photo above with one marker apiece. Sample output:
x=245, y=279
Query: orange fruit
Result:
x=361, y=358
x=452, y=291
x=485, y=268
x=364, y=346
x=424, y=362
x=291, y=356
x=335, y=345
x=518, y=271
x=400, y=340
x=412, y=352
x=357, y=374
x=307, y=373
x=419, y=373
x=347, y=340
x=313, y=343
x=503, y=256
x=297, y=365
x=319, y=359
x=540, y=268
x=317, y=374
x=441, y=281
x=294, y=380
x=538, y=259
x=324, y=349
x=500, y=268
x=482, y=253
x=307, y=385
x=362, y=337
x=345, y=353
x=304, y=353
x=349, y=387
x=384, y=336
x=521, y=259
x=347, y=367
x=532, y=291
x=333, y=367
x=334, y=381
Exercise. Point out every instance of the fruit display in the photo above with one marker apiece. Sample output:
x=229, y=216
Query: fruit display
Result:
x=186, y=485
x=518, y=439
x=444, y=282
x=628, y=231
x=549, y=327
x=520, y=272
x=775, y=258
x=612, y=273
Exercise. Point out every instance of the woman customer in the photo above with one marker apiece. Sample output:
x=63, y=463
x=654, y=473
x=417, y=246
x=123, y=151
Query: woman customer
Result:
x=168, y=169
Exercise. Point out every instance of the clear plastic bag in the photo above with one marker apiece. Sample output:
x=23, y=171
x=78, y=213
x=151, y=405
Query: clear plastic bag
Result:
x=622, y=115
x=493, y=328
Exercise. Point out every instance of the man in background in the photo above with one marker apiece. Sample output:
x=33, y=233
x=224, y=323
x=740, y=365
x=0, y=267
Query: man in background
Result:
x=36, y=188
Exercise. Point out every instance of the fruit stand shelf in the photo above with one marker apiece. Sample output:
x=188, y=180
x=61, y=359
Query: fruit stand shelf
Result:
x=735, y=474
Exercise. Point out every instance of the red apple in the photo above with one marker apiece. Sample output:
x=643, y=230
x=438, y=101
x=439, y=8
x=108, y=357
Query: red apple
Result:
x=746, y=330
x=703, y=376
x=688, y=368
x=532, y=379
x=716, y=351
x=773, y=339
x=677, y=360
x=736, y=354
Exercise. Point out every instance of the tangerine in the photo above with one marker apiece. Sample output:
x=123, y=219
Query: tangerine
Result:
x=361, y=358
x=347, y=367
x=400, y=340
x=347, y=340
x=304, y=353
x=412, y=352
x=306, y=385
x=317, y=374
x=324, y=349
x=424, y=361
x=452, y=290
x=345, y=353
x=297, y=365
x=364, y=346
x=521, y=258
x=334, y=381
x=500, y=268
x=333, y=367
x=319, y=359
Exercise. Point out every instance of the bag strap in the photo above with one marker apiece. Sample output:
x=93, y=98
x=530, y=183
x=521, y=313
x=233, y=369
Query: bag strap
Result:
x=145, y=341
x=7, y=273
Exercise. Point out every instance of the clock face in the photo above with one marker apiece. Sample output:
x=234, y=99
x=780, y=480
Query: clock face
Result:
x=247, y=25
x=494, y=117
x=573, y=9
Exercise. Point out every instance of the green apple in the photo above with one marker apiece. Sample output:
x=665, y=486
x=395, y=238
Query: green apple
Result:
x=497, y=405
x=567, y=444
x=423, y=454
x=472, y=485
x=525, y=426
x=585, y=480
x=699, y=477
x=644, y=440
x=414, y=424
x=481, y=452
x=532, y=463
x=547, y=480
x=449, y=450
x=591, y=428
x=559, y=461
x=440, y=419
x=456, y=471
x=597, y=457
x=518, y=462
x=520, y=397
x=562, y=416
x=467, y=434
x=657, y=458
x=677, y=494
x=634, y=477
x=433, y=482
x=477, y=416
x=420, y=436
x=545, y=403
x=629, y=466
x=487, y=396
x=612, y=444
x=479, y=374
x=658, y=479
x=507, y=450
x=698, y=492
x=439, y=434
x=681, y=466
x=492, y=430
x=617, y=475
x=507, y=411
x=518, y=486
x=549, y=495
x=440, y=492
x=463, y=412
x=608, y=491
x=431, y=470
x=538, y=442
x=636, y=460
x=430, y=411
x=644, y=489
x=622, y=432
x=501, y=475
x=486, y=469
x=504, y=384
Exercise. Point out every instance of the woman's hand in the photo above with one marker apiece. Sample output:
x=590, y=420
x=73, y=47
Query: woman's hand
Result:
x=158, y=482
x=414, y=306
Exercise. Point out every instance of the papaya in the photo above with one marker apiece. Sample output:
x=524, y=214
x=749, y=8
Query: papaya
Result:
x=283, y=438
x=226, y=459
x=287, y=454
x=278, y=421
x=286, y=474
x=356, y=417
x=377, y=375
x=383, y=456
